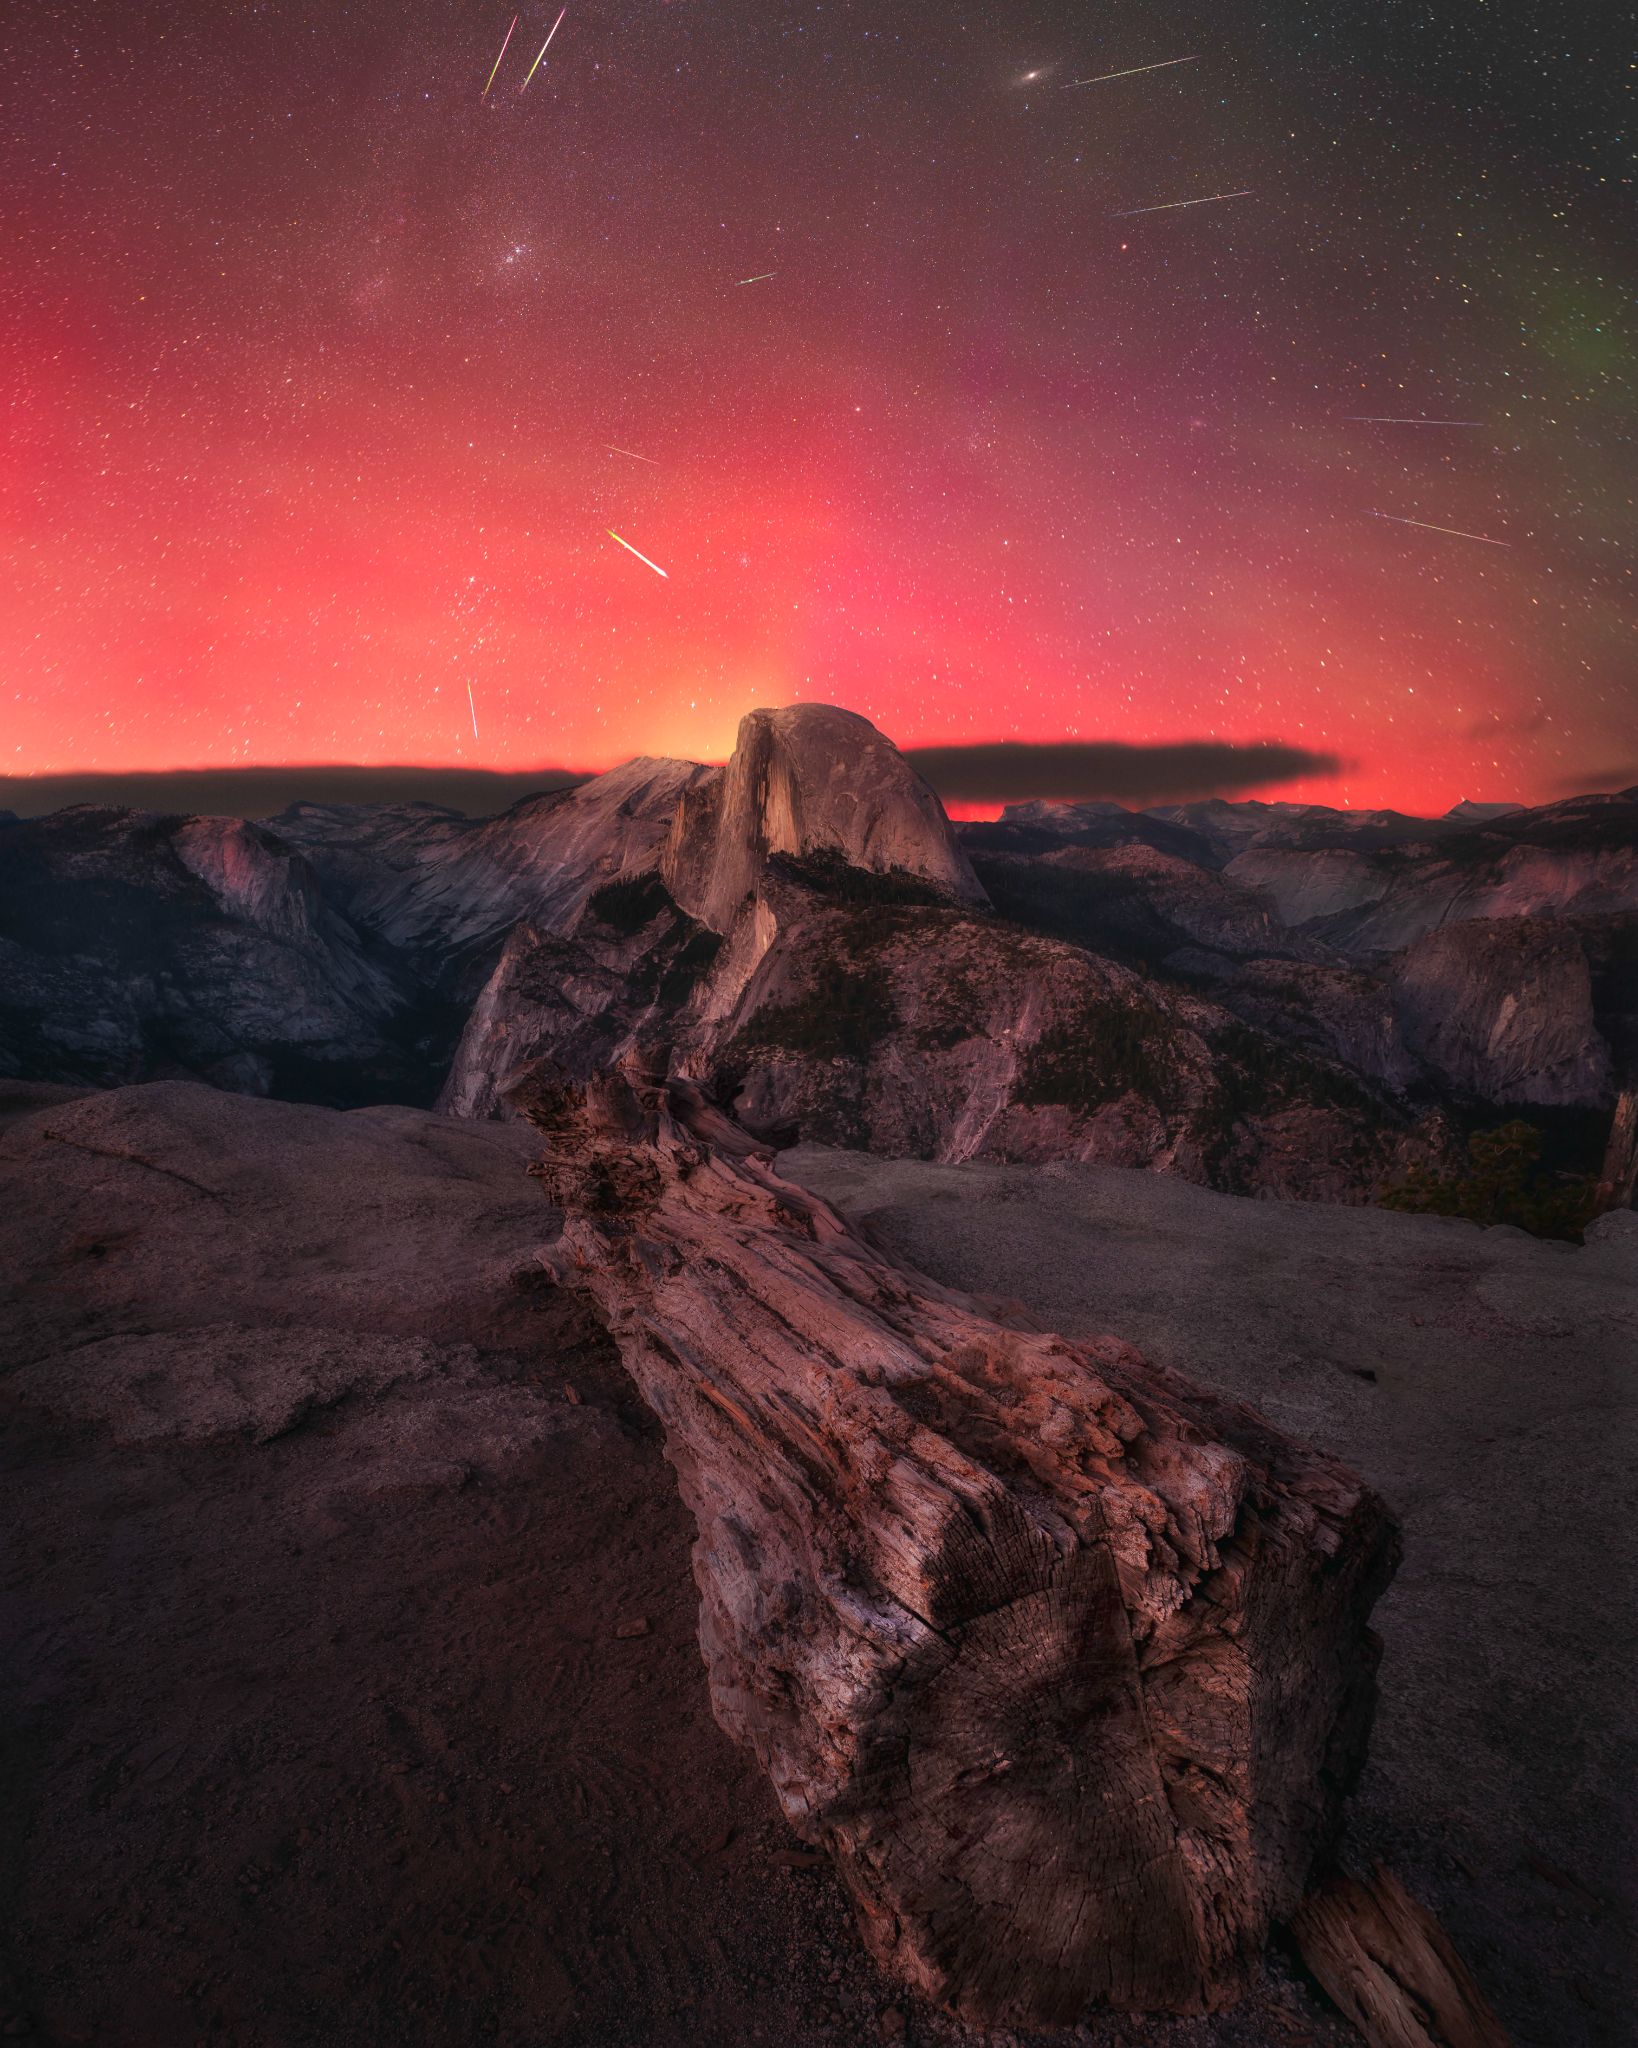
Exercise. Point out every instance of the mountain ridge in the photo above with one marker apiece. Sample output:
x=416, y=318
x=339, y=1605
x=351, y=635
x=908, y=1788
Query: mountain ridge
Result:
x=1204, y=988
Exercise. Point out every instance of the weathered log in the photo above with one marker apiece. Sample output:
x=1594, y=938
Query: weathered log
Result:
x=1618, y=1177
x=1063, y=1659
x=1389, y=1966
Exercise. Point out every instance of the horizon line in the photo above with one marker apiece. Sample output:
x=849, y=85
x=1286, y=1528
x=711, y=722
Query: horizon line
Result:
x=554, y=778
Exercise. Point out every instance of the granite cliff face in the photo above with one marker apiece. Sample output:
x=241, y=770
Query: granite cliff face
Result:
x=808, y=790
x=329, y=955
x=1502, y=1009
x=582, y=998
x=809, y=782
x=1370, y=905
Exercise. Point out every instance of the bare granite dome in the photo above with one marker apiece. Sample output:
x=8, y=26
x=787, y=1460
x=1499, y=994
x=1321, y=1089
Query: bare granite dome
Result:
x=808, y=780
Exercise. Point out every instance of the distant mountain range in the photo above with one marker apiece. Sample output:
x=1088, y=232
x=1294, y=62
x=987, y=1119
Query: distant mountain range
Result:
x=1276, y=997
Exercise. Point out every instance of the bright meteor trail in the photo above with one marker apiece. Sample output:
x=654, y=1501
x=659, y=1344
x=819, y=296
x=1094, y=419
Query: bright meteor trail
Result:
x=635, y=457
x=630, y=550
x=1104, y=76
x=472, y=704
x=545, y=46
x=761, y=277
x=1400, y=520
x=1373, y=419
x=1172, y=205
x=485, y=93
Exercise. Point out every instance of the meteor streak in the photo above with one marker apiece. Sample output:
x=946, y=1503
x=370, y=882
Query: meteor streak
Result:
x=1373, y=419
x=545, y=46
x=474, y=710
x=485, y=93
x=630, y=550
x=1104, y=76
x=609, y=445
x=1172, y=205
x=1399, y=520
x=761, y=277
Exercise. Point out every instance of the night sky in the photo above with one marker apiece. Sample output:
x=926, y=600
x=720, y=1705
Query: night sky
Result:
x=320, y=357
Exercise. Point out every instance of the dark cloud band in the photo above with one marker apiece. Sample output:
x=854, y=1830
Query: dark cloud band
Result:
x=998, y=771
x=1621, y=780
x=263, y=792
x=1011, y=771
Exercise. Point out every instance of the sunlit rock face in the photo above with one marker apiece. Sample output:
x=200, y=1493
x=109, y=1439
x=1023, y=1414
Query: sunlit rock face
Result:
x=810, y=781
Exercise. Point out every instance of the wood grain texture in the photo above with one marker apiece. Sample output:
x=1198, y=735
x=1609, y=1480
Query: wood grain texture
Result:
x=1064, y=1660
x=1389, y=1966
x=1619, y=1175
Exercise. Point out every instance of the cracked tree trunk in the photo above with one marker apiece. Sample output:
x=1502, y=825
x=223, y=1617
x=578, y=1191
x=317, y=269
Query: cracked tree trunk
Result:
x=1619, y=1174
x=1063, y=1659
x=1389, y=1966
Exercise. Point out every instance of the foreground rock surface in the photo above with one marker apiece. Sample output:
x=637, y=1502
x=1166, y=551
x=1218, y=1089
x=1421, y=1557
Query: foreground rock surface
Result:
x=1065, y=1660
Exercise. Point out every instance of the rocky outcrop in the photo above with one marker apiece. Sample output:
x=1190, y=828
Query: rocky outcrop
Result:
x=599, y=950
x=1502, y=1009
x=333, y=956
x=1064, y=1661
x=860, y=995
x=809, y=782
x=1134, y=901
x=1340, y=933
x=240, y=1263
x=931, y=1032
x=583, y=999
x=806, y=782
x=134, y=946
x=428, y=882
x=811, y=796
x=1310, y=888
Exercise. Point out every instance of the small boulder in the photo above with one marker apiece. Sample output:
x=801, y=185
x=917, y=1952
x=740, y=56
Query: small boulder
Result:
x=1619, y=1226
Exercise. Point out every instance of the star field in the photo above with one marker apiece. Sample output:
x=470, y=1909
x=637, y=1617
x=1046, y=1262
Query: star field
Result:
x=331, y=375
